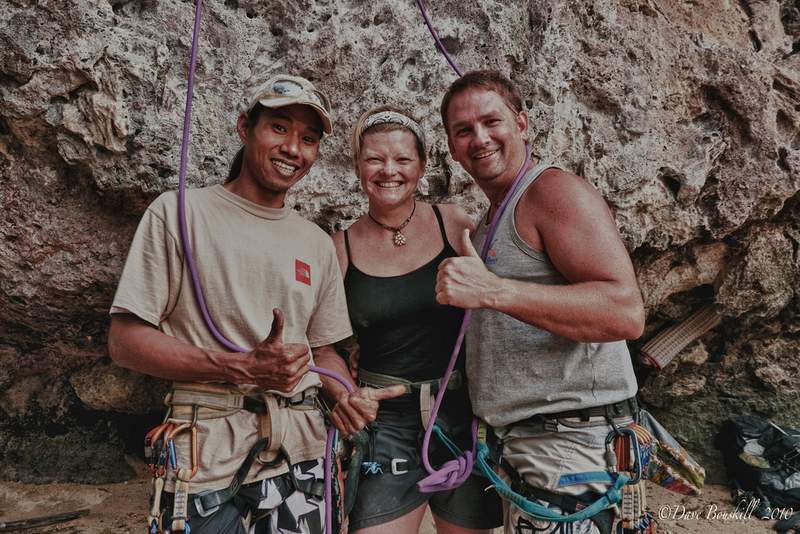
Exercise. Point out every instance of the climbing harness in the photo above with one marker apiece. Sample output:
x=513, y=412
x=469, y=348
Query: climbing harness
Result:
x=568, y=504
x=189, y=403
x=425, y=392
x=198, y=402
x=484, y=461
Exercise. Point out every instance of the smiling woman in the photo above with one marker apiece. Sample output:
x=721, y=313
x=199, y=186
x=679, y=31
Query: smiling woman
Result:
x=390, y=258
x=389, y=159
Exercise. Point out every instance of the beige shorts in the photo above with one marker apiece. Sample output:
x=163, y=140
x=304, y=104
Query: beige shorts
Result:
x=567, y=459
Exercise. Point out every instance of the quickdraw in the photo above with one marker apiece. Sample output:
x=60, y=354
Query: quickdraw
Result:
x=156, y=454
x=159, y=451
x=155, y=449
x=617, y=453
x=180, y=514
x=624, y=446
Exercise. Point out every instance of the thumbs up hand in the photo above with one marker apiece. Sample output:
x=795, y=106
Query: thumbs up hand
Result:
x=465, y=281
x=273, y=364
x=467, y=250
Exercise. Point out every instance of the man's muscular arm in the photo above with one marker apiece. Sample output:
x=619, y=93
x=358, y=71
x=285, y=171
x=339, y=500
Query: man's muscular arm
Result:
x=272, y=364
x=564, y=216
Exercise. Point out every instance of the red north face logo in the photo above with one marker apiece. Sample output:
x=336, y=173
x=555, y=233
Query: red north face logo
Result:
x=302, y=272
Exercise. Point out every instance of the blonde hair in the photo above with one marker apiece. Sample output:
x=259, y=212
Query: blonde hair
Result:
x=360, y=131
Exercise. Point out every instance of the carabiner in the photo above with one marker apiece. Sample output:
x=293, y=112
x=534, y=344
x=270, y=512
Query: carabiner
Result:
x=155, y=453
x=194, y=455
x=634, y=444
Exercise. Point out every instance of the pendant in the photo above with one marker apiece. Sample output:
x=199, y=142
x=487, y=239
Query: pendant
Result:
x=399, y=239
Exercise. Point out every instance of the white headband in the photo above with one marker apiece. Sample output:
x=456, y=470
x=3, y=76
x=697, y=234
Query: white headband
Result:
x=392, y=117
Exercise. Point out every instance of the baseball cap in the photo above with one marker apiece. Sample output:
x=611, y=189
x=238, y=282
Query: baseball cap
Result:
x=284, y=90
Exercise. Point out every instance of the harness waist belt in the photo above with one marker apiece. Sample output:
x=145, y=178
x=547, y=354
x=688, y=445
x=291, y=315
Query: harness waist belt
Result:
x=381, y=380
x=623, y=408
x=221, y=398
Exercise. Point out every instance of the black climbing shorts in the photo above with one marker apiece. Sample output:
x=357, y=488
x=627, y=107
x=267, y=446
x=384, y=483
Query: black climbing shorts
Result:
x=388, y=485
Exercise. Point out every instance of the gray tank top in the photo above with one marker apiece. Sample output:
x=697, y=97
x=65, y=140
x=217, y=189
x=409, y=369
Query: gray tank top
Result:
x=516, y=370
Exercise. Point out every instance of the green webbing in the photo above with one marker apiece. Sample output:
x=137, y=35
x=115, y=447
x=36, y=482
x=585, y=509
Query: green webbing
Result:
x=381, y=380
x=532, y=508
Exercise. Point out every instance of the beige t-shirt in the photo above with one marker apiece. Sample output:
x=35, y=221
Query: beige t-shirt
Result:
x=251, y=259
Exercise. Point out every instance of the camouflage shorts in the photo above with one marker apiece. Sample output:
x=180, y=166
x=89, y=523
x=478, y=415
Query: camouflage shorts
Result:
x=271, y=506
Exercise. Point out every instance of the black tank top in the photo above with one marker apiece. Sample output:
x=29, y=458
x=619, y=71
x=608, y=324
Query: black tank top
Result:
x=401, y=328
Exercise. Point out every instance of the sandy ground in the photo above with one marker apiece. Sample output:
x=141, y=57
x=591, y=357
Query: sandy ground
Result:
x=120, y=508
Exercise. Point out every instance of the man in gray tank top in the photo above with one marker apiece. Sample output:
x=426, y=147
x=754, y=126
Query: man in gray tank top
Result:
x=547, y=363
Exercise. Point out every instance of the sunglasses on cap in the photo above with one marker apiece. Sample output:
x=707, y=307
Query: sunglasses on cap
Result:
x=287, y=87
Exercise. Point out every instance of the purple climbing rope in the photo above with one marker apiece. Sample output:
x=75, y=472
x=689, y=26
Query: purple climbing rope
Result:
x=439, y=44
x=455, y=472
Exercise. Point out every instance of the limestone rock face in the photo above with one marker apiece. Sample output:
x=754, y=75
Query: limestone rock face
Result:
x=686, y=116
x=757, y=284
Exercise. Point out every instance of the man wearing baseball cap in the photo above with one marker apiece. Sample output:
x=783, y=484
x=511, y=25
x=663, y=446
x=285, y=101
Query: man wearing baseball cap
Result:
x=242, y=447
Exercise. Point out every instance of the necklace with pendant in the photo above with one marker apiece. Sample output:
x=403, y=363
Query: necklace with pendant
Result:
x=399, y=239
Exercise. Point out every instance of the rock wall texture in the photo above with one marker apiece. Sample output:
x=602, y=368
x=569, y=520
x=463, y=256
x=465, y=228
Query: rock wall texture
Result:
x=686, y=115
